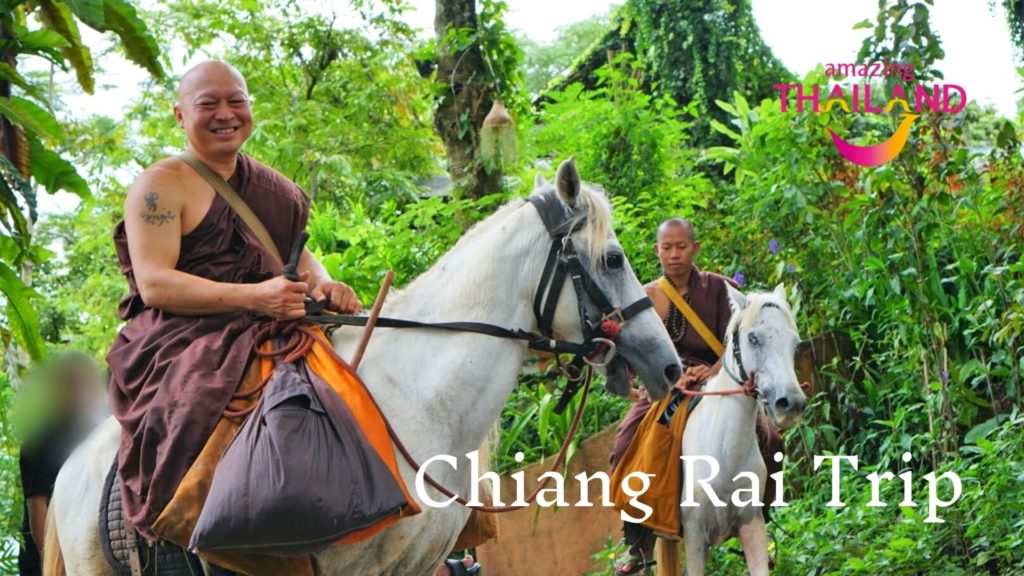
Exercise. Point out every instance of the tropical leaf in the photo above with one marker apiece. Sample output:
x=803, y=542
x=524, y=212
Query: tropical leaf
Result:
x=59, y=18
x=139, y=44
x=11, y=74
x=20, y=315
x=89, y=11
x=39, y=39
x=43, y=41
x=11, y=184
x=30, y=116
x=55, y=173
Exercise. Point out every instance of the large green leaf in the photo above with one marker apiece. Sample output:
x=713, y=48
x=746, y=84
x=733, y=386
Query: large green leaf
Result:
x=9, y=204
x=55, y=173
x=41, y=41
x=20, y=315
x=89, y=11
x=139, y=44
x=58, y=17
x=30, y=116
x=11, y=74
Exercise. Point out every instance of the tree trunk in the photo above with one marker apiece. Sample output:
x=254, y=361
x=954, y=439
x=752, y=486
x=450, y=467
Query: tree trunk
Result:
x=465, y=100
x=12, y=142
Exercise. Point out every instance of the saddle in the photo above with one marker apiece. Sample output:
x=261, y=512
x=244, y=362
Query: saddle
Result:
x=119, y=538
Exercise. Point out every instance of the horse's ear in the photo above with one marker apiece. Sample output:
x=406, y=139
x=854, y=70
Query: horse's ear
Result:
x=780, y=292
x=736, y=298
x=567, y=182
x=539, y=181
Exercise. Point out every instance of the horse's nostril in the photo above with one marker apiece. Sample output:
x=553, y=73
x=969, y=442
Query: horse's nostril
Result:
x=673, y=372
x=799, y=405
x=782, y=404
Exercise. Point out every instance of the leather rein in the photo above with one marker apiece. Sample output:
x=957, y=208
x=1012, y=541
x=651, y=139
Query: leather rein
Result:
x=563, y=262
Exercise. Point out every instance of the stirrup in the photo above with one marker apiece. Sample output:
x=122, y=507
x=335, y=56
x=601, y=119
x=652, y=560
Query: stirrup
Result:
x=640, y=563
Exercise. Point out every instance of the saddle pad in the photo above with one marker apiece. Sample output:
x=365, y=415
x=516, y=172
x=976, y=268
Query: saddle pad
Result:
x=161, y=559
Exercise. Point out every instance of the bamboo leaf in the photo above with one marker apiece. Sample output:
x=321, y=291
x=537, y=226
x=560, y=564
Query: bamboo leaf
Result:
x=55, y=173
x=20, y=314
x=58, y=18
x=138, y=43
x=31, y=117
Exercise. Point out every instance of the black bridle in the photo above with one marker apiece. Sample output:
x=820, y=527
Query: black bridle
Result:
x=563, y=261
x=744, y=379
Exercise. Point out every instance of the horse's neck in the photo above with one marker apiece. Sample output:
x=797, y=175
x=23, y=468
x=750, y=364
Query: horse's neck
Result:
x=732, y=414
x=442, y=391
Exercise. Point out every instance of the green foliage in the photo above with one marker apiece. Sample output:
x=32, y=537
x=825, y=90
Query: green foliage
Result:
x=903, y=33
x=621, y=137
x=702, y=51
x=542, y=63
x=1015, y=19
x=502, y=55
x=352, y=92
x=360, y=247
x=530, y=425
x=10, y=485
x=604, y=559
x=918, y=262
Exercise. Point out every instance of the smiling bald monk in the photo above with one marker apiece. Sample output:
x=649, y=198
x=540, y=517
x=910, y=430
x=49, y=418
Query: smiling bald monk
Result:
x=200, y=284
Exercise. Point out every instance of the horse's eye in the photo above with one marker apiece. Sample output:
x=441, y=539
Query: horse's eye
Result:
x=753, y=339
x=614, y=260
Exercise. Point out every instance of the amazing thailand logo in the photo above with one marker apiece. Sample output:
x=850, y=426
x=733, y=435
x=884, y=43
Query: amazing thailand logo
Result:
x=944, y=98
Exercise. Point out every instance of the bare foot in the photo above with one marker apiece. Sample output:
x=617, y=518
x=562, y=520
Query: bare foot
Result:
x=443, y=570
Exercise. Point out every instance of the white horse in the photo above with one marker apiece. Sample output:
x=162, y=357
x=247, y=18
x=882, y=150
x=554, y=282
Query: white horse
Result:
x=442, y=391
x=722, y=428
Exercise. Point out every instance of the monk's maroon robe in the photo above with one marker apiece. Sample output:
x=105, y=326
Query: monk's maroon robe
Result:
x=173, y=375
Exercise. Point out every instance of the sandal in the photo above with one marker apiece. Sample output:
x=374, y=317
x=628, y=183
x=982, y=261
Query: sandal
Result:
x=457, y=568
x=631, y=563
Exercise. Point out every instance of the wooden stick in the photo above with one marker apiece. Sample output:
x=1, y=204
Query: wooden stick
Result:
x=372, y=321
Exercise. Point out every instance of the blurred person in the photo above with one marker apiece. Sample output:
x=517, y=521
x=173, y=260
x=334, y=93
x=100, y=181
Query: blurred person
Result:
x=65, y=398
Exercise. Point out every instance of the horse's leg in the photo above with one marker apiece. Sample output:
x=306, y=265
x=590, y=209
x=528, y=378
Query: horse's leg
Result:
x=696, y=548
x=754, y=539
x=76, y=501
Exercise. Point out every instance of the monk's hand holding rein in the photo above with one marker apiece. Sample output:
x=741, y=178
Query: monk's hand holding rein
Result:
x=281, y=298
x=700, y=373
x=340, y=296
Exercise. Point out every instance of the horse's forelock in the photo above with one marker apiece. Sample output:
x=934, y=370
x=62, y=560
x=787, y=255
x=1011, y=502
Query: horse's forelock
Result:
x=594, y=206
x=755, y=303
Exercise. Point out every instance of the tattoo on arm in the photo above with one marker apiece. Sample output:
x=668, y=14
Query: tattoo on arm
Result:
x=157, y=219
x=152, y=217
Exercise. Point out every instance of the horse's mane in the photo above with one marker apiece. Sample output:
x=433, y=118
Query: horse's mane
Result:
x=756, y=301
x=594, y=209
x=592, y=239
x=594, y=206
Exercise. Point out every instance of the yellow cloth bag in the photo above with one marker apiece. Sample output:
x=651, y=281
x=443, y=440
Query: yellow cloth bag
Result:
x=655, y=450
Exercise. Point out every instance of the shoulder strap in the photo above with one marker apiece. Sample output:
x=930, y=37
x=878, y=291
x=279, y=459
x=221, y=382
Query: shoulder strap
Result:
x=691, y=316
x=235, y=201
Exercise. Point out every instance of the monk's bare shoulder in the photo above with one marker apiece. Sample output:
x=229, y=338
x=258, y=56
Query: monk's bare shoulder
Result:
x=652, y=289
x=155, y=197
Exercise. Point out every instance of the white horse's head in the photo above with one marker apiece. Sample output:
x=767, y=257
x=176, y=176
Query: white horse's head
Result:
x=762, y=326
x=643, y=344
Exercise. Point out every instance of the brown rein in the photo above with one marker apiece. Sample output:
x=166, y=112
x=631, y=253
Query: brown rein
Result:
x=749, y=388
